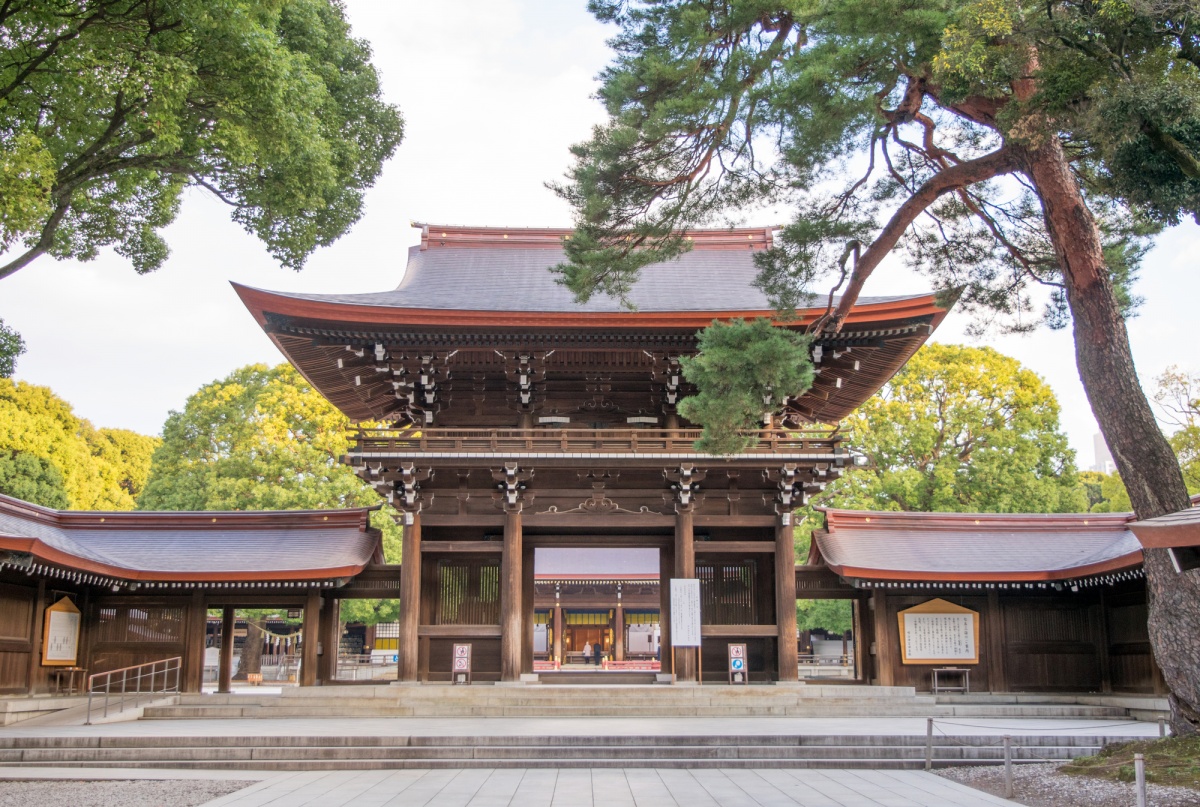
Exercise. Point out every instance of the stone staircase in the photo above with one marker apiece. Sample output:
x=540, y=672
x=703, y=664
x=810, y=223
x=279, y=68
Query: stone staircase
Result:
x=602, y=701
x=284, y=753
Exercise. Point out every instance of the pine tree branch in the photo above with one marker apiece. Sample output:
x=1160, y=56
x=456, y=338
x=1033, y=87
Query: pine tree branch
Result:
x=999, y=162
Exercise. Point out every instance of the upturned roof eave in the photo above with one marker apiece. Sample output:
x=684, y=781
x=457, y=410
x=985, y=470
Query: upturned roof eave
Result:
x=261, y=302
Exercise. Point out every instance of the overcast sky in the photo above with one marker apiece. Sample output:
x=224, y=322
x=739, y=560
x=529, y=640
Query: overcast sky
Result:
x=493, y=93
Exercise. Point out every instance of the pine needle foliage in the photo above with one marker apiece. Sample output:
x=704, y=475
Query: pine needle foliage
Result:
x=743, y=370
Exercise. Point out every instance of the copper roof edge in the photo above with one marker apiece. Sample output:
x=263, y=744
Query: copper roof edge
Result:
x=890, y=519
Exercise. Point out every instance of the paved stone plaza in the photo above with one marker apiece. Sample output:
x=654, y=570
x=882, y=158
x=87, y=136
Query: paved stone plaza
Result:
x=573, y=788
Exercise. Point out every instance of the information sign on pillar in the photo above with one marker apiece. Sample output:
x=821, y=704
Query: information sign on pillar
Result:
x=461, y=665
x=739, y=668
x=685, y=612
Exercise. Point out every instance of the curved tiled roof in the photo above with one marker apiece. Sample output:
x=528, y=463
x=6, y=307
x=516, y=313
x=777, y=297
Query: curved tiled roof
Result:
x=975, y=546
x=289, y=545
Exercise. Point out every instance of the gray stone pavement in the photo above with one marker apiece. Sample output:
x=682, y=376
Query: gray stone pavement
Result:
x=601, y=726
x=612, y=787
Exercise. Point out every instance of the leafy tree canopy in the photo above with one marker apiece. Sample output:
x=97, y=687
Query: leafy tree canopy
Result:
x=887, y=122
x=101, y=469
x=109, y=109
x=259, y=439
x=743, y=370
x=32, y=479
x=961, y=429
x=11, y=347
x=1178, y=395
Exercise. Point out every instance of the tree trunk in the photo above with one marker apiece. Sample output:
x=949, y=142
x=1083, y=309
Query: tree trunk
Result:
x=251, y=658
x=1143, y=456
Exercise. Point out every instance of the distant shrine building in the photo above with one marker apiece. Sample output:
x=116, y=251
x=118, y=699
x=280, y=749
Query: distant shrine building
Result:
x=522, y=425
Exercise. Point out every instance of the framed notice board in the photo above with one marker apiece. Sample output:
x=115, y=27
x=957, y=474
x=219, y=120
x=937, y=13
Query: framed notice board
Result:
x=938, y=632
x=60, y=635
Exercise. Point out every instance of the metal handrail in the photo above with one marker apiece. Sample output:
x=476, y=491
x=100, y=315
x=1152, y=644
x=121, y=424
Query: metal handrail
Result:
x=399, y=440
x=151, y=678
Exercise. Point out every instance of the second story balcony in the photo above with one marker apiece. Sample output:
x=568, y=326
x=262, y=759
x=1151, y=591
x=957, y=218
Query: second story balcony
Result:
x=623, y=445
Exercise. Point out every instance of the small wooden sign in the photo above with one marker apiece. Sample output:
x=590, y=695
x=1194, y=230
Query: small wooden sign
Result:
x=938, y=631
x=460, y=664
x=60, y=635
x=739, y=664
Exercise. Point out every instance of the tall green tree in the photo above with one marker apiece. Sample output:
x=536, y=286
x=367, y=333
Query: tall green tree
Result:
x=961, y=429
x=95, y=475
x=1005, y=147
x=263, y=439
x=109, y=109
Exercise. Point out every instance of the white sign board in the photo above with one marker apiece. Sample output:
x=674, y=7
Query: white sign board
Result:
x=685, y=613
x=940, y=637
x=62, y=637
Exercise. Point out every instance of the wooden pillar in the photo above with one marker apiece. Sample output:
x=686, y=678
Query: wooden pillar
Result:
x=686, y=668
x=312, y=636
x=527, y=609
x=192, y=678
x=331, y=638
x=997, y=676
x=619, y=632
x=1100, y=621
x=862, y=659
x=511, y=585
x=33, y=683
x=884, y=655
x=666, y=571
x=558, y=631
x=225, y=660
x=410, y=599
x=785, y=598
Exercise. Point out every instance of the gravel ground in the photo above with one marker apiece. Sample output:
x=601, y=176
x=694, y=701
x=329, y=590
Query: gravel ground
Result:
x=115, y=793
x=1043, y=786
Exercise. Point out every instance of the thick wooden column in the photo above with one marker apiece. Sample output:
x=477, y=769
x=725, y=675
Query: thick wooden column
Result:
x=33, y=683
x=410, y=599
x=331, y=639
x=785, y=598
x=558, y=632
x=192, y=679
x=225, y=660
x=619, y=633
x=685, y=568
x=312, y=636
x=511, y=589
x=994, y=625
x=885, y=657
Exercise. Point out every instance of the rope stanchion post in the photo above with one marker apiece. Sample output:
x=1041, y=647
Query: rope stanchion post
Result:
x=1162, y=727
x=1008, y=780
x=928, y=743
x=1139, y=769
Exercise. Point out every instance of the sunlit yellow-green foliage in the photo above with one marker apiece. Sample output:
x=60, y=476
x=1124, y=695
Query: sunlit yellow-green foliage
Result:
x=1113, y=496
x=961, y=429
x=259, y=439
x=102, y=469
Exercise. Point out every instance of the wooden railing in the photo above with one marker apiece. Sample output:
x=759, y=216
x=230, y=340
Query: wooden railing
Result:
x=582, y=441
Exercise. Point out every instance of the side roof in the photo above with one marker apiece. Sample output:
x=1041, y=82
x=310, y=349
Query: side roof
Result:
x=301, y=545
x=975, y=547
